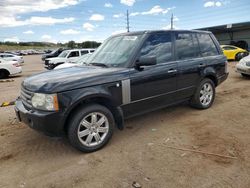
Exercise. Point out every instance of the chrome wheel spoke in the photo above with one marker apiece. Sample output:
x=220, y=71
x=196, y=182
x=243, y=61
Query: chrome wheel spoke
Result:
x=206, y=94
x=89, y=138
x=86, y=124
x=93, y=118
x=102, y=129
x=97, y=137
x=100, y=121
x=84, y=133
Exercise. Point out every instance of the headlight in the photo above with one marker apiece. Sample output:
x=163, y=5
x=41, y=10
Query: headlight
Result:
x=46, y=102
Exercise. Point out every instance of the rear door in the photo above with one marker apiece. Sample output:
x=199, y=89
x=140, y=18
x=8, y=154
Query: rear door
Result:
x=190, y=63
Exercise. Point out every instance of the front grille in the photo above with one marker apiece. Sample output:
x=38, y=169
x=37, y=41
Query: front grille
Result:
x=26, y=98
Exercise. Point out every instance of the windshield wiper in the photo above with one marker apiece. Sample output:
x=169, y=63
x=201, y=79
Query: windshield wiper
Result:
x=99, y=64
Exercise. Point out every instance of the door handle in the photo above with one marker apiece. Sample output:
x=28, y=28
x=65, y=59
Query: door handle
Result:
x=172, y=71
x=202, y=65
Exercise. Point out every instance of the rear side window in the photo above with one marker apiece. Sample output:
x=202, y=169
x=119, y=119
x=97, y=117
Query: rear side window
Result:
x=186, y=46
x=84, y=52
x=207, y=45
x=158, y=45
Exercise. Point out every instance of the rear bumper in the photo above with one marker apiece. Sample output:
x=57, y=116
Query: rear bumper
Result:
x=222, y=78
x=50, y=123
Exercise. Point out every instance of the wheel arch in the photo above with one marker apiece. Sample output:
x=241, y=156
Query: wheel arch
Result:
x=5, y=70
x=211, y=74
x=103, y=100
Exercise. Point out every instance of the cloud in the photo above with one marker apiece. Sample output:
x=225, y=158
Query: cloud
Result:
x=212, y=4
x=69, y=32
x=29, y=32
x=169, y=27
x=156, y=10
x=12, y=39
x=46, y=37
x=119, y=31
x=108, y=5
x=118, y=15
x=15, y=7
x=128, y=2
x=34, y=20
x=88, y=26
x=11, y=9
x=96, y=17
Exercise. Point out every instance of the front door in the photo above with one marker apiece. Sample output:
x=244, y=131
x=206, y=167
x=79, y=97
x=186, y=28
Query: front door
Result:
x=153, y=86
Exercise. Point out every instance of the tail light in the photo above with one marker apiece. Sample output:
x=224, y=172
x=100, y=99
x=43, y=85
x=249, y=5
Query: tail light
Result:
x=16, y=65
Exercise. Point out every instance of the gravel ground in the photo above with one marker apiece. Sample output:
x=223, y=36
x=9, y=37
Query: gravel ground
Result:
x=144, y=153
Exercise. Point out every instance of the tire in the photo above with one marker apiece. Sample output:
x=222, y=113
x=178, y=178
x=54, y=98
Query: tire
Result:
x=83, y=133
x=239, y=56
x=245, y=75
x=51, y=66
x=3, y=74
x=205, y=100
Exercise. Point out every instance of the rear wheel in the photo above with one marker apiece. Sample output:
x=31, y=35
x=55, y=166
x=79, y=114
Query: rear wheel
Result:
x=245, y=75
x=91, y=128
x=239, y=56
x=3, y=74
x=204, y=95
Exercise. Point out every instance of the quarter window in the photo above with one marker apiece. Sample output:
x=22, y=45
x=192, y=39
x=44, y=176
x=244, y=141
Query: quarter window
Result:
x=158, y=45
x=84, y=52
x=207, y=45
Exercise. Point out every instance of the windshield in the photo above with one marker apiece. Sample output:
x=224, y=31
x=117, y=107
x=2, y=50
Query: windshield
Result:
x=82, y=60
x=115, y=51
x=63, y=54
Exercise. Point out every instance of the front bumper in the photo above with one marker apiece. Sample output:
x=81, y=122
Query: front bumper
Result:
x=243, y=69
x=50, y=123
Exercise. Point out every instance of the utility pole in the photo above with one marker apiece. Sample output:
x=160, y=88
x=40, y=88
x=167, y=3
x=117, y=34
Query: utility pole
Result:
x=128, y=22
x=172, y=21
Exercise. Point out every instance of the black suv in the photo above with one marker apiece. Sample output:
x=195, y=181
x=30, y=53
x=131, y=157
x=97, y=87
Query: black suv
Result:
x=54, y=53
x=129, y=74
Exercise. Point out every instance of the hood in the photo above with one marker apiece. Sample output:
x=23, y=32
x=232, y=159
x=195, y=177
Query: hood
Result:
x=57, y=59
x=73, y=78
x=65, y=65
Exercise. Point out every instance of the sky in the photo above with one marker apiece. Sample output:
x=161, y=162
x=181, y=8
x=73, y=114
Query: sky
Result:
x=82, y=20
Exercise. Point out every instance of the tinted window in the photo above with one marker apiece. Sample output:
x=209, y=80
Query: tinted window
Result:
x=91, y=51
x=229, y=48
x=74, y=54
x=186, y=46
x=207, y=45
x=84, y=52
x=158, y=45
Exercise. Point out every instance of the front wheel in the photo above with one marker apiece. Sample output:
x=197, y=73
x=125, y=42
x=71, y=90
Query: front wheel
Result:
x=91, y=128
x=245, y=75
x=204, y=95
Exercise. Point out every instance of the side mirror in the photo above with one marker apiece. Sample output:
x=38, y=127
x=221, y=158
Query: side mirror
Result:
x=146, y=61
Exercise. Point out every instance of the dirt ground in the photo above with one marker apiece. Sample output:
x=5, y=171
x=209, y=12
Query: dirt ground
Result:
x=141, y=153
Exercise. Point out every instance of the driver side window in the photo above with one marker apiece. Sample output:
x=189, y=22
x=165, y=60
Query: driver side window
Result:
x=74, y=54
x=158, y=45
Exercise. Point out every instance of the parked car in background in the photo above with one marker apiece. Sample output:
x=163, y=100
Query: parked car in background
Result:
x=66, y=56
x=243, y=67
x=12, y=57
x=54, y=53
x=81, y=61
x=9, y=68
x=129, y=74
x=233, y=52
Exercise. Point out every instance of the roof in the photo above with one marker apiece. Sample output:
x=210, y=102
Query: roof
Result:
x=228, y=27
x=160, y=31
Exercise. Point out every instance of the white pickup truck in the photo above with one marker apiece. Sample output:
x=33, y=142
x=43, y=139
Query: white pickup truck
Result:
x=66, y=56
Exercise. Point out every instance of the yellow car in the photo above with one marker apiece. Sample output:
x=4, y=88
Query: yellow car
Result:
x=233, y=52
